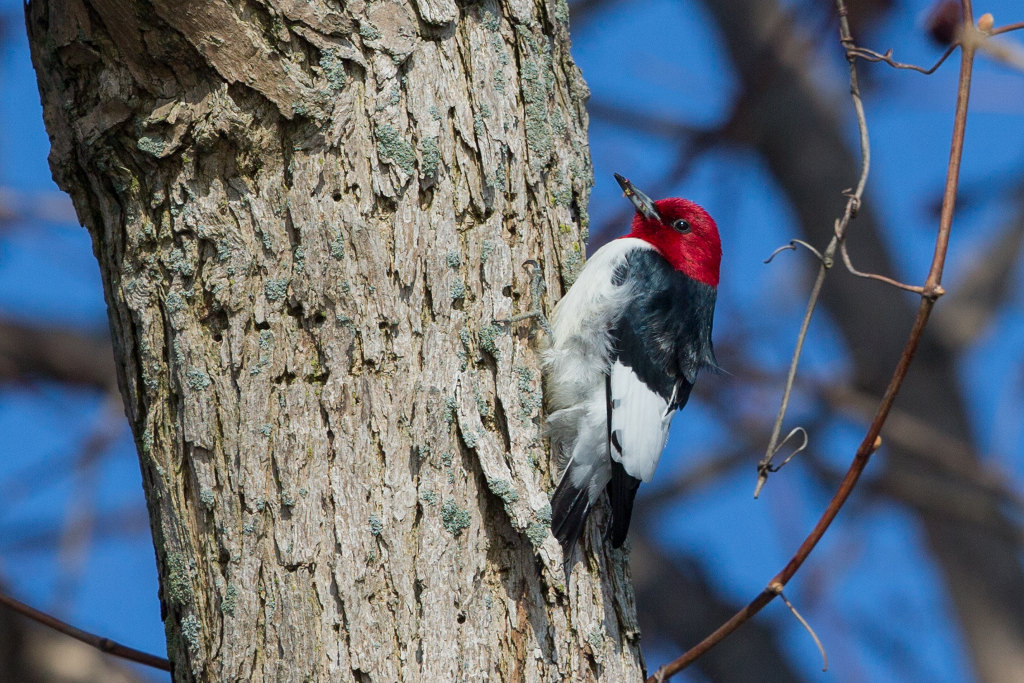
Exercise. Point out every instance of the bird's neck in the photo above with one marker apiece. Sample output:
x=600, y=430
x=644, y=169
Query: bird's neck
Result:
x=697, y=261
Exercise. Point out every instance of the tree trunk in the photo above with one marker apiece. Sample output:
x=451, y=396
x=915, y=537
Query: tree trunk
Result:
x=307, y=216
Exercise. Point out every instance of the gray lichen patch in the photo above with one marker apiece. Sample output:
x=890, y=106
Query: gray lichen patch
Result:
x=337, y=245
x=490, y=18
x=227, y=605
x=431, y=157
x=543, y=514
x=596, y=639
x=561, y=193
x=464, y=348
x=276, y=289
x=368, y=31
x=175, y=302
x=333, y=68
x=453, y=518
x=561, y=11
x=191, y=633
x=450, y=406
x=197, y=379
x=178, y=262
x=483, y=405
x=530, y=398
x=486, y=247
x=503, y=489
x=394, y=148
x=487, y=336
x=376, y=524
x=572, y=265
x=152, y=145
x=538, y=129
x=537, y=533
x=178, y=582
x=479, y=120
x=458, y=290
x=207, y=498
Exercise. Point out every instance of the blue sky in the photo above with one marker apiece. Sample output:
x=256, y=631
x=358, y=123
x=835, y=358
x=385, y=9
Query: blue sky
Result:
x=870, y=590
x=871, y=567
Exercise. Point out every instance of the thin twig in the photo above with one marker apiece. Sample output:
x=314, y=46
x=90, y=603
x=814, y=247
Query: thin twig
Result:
x=872, y=441
x=796, y=451
x=765, y=466
x=821, y=648
x=872, y=56
x=874, y=276
x=1006, y=29
x=99, y=642
x=828, y=258
x=792, y=246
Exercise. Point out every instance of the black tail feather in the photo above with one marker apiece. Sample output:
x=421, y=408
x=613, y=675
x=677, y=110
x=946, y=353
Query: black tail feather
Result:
x=621, y=492
x=569, y=509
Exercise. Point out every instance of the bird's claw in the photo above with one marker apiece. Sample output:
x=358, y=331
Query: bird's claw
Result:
x=538, y=286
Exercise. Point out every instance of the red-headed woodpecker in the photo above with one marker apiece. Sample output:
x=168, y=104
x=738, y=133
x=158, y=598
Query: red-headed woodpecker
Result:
x=629, y=338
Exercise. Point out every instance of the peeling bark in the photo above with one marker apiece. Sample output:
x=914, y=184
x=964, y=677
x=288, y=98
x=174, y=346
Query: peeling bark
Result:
x=307, y=217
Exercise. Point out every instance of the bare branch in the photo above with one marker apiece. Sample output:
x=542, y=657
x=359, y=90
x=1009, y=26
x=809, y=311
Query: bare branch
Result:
x=872, y=440
x=64, y=355
x=873, y=276
x=827, y=259
x=99, y=642
x=1006, y=29
x=872, y=56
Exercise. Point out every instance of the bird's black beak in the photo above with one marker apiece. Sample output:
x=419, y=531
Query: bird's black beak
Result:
x=641, y=201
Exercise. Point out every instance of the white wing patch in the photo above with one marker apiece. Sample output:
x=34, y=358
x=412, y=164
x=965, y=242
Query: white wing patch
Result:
x=640, y=422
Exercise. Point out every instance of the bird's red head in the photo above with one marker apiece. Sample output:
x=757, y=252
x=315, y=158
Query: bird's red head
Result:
x=682, y=232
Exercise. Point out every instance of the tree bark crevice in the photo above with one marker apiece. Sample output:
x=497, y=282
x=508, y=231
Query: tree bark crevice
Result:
x=307, y=220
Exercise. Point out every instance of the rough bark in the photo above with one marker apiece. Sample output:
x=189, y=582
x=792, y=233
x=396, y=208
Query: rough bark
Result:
x=307, y=216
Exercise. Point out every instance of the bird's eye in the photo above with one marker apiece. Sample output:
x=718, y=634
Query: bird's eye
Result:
x=682, y=226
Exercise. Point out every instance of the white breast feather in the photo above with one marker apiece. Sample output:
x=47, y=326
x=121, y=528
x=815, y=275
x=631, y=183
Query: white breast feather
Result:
x=578, y=358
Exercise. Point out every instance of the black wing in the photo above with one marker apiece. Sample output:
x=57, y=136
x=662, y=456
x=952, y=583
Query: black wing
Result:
x=661, y=343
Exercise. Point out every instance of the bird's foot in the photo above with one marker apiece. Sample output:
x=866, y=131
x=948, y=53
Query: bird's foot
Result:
x=537, y=288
